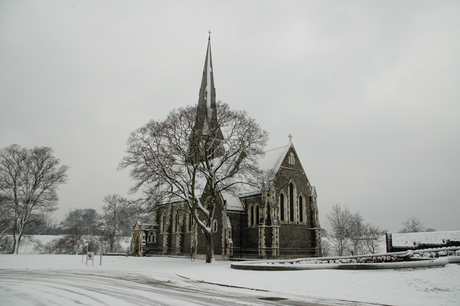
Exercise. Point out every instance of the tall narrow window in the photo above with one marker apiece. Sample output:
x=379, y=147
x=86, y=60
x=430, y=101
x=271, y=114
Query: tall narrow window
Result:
x=291, y=202
x=174, y=223
x=252, y=215
x=300, y=209
x=165, y=223
x=291, y=159
x=257, y=215
x=190, y=220
x=282, y=207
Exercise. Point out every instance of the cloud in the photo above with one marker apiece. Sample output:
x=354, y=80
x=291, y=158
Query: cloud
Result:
x=368, y=90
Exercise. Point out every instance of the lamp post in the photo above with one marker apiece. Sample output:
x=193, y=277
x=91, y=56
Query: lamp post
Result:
x=102, y=236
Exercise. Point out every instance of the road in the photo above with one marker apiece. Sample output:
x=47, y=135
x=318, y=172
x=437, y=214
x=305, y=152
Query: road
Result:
x=58, y=287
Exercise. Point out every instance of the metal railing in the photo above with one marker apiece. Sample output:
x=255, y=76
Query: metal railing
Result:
x=236, y=252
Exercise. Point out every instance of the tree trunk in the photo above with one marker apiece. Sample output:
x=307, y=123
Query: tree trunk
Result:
x=209, y=247
x=17, y=241
x=17, y=235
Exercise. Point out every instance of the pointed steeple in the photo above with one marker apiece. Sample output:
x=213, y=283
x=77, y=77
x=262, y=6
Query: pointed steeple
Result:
x=206, y=136
x=206, y=119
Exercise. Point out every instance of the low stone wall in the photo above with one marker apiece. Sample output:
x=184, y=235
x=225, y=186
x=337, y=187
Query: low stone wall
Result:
x=399, y=259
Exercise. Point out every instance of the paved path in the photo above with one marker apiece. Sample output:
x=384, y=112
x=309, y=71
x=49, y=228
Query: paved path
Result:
x=58, y=287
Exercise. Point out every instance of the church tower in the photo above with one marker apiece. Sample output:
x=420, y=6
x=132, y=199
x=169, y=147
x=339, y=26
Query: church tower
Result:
x=206, y=132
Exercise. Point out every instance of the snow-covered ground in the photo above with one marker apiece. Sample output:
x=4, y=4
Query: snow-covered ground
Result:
x=410, y=239
x=428, y=286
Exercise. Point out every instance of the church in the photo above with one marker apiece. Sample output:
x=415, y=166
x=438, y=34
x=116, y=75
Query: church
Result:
x=277, y=220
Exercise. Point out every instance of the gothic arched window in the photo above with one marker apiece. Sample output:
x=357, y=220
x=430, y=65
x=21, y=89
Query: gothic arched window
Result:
x=282, y=207
x=251, y=215
x=257, y=215
x=291, y=158
x=291, y=202
x=178, y=229
x=300, y=209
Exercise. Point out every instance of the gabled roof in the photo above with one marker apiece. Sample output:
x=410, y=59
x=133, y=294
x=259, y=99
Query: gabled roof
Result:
x=142, y=226
x=270, y=164
x=273, y=158
x=233, y=202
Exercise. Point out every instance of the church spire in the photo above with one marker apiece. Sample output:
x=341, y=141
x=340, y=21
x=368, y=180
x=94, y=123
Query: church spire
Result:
x=206, y=120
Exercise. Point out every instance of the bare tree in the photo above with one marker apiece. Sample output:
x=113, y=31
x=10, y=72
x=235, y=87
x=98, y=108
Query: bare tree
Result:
x=325, y=247
x=29, y=179
x=119, y=215
x=340, y=220
x=356, y=232
x=371, y=235
x=412, y=225
x=350, y=232
x=6, y=225
x=171, y=160
x=81, y=221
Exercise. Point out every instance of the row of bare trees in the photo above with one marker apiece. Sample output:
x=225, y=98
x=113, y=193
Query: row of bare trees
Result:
x=115, y=222
x=169, y=160
x=349, y=233
x=29, y=179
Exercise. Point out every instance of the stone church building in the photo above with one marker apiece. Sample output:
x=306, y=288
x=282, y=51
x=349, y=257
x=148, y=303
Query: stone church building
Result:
x=279, y=220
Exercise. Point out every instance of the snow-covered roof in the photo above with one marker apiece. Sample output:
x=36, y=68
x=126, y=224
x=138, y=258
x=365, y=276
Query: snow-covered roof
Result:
x=408, y=239
x=142, y=226
x=270, y=164
x=233, y=202
x=273, y=158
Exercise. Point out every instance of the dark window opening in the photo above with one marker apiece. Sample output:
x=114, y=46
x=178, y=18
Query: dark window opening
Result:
x=300, y=209
x=282, y=206
x=291, y=202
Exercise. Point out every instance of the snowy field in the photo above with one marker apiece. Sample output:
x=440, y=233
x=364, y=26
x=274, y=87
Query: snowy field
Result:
x=30, y=279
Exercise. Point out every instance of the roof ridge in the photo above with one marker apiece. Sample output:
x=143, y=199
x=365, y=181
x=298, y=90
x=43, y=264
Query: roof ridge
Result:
x=277, y=148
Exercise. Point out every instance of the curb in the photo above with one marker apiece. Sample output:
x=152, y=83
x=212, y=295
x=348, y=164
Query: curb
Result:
x=222, y=285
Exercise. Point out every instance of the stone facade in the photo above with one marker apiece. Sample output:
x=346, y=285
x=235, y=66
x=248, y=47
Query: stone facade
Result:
x=280, y=221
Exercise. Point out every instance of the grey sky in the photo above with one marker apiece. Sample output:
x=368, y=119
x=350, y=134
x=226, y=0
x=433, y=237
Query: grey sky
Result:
x=370, y=90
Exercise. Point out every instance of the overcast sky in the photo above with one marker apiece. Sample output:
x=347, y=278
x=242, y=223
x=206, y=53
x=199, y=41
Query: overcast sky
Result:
x=370, y=91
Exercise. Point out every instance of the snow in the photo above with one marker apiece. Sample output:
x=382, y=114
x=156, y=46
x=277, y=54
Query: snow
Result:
x=29, y=244
x=424, y=286
x=410, y=239
x=233, y=202
x=273, y=158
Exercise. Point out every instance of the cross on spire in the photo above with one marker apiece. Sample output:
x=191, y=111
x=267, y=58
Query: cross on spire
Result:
x=209, y=34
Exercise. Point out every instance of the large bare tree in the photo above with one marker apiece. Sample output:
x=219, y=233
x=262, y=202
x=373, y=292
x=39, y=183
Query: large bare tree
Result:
x=173, y=161
x=29, y=179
